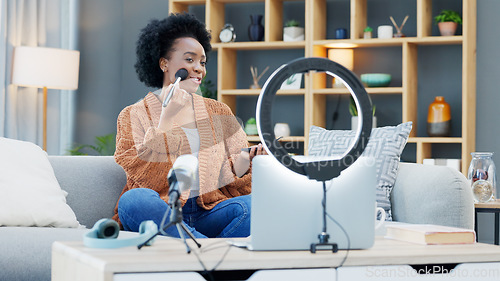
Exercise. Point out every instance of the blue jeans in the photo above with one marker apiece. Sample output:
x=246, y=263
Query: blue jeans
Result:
x=229, y=218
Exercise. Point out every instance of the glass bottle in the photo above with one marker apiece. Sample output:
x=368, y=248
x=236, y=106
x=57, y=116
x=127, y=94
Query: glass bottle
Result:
x=482, y=176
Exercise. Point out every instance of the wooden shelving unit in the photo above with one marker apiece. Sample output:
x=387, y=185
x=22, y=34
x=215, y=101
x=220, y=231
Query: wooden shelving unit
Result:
x=315, y=90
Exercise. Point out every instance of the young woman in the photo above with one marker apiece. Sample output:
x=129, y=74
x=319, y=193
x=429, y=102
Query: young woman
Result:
x=151, y=137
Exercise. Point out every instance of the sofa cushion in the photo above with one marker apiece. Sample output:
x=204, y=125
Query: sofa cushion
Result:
x=427, y=194
x=29, y=192
x=93, y=183
x=26, y=251
x=385, y=145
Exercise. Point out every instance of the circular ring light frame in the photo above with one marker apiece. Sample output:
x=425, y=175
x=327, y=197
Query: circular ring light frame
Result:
x=324, y=169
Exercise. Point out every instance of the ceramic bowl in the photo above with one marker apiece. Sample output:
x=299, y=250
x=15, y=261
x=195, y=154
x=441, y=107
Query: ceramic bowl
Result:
x=376, y=79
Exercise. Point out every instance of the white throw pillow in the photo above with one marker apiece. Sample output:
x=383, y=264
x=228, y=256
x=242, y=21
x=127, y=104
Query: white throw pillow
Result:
x=385, y=145
x=29, y=192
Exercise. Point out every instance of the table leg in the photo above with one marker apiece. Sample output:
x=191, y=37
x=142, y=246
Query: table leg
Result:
x=475, y=225
x=497, y=215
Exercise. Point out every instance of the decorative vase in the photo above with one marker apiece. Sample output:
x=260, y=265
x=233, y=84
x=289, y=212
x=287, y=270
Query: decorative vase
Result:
x=255, y=29
x=447, y=28
x=439, y=118
x=354, y=122
x=281, y=130
x=251, y=129
x=482, y=176
x=293, y=33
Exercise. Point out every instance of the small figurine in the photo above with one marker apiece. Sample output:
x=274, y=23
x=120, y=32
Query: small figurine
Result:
x=399, y=29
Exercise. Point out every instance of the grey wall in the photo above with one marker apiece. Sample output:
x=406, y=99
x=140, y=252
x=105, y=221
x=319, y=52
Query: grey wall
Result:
x=108, y=31
x=100, y=44
x=488, y=98
x=488, y=71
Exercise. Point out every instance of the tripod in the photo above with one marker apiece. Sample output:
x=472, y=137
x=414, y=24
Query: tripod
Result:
x=324, y=236
x=175, y=219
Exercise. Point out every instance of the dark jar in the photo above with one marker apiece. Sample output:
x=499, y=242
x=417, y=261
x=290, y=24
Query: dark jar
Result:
x=439, y=118
x=255, y=29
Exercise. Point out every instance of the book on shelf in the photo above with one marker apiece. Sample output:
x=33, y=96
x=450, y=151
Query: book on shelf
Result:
x=429, y=234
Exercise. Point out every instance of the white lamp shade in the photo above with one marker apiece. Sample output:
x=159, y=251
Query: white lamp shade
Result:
x=45, y=67
x=344, y=57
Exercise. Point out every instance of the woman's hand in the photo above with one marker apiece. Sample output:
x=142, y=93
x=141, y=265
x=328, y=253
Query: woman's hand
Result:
x=256, y=150
x=179, y=109
x=242, y=163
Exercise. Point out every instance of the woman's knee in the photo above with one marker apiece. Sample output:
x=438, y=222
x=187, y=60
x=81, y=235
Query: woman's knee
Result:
x=246, y=202
x=242, y=207
x=136, y=197
x=139, y=201
x=140, y=204
x=240, y=225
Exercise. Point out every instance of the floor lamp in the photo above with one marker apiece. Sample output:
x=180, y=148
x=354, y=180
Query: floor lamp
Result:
x=46, y=68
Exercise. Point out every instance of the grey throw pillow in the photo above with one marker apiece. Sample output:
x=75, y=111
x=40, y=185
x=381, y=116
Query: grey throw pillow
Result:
x=385, y=145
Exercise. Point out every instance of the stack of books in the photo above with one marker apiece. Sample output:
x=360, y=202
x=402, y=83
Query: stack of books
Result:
x=429, y=234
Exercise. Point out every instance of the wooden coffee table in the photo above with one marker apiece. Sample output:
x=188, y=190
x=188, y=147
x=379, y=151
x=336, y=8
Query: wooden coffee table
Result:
x=73, y=261
x=489, y=207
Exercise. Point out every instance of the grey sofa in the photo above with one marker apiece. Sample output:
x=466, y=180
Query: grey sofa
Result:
x=422, y=194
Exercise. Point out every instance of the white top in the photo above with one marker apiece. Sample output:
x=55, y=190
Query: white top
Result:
x=194, y=143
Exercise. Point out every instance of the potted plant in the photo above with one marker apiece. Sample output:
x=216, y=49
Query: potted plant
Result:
x=354, y=113
x=292, y=31
x=447, y=22
x=367, y=32
x=206, y=89
x=251, y=127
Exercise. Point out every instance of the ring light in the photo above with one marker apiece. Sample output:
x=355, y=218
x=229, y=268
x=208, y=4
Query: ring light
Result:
x=319, y=170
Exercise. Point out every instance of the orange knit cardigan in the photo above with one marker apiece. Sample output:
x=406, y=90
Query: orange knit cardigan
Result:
x=147, y=153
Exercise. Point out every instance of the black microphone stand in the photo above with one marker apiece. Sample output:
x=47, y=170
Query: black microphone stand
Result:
x=177, y=220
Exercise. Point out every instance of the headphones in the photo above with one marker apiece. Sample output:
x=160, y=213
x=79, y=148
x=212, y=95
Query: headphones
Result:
x=105, y=232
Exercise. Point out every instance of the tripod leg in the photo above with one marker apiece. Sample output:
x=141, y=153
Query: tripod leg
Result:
x=156, y=234
x=181, y=234
x=190, y=234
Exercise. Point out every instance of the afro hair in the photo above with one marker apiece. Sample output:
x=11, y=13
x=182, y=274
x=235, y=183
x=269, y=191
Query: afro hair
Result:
x=157, y=39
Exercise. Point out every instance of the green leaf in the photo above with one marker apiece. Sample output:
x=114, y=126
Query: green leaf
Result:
x=291, y=79
x=291, y=23
x=352, y=107
x=77, y=150
x=448, y=15
x=104, y=145
x=206, y=89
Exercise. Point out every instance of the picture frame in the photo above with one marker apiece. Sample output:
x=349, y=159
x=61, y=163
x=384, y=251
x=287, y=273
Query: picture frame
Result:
x=293, y=82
